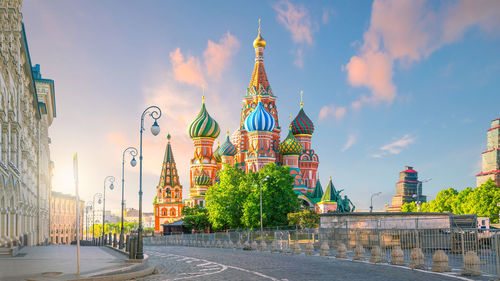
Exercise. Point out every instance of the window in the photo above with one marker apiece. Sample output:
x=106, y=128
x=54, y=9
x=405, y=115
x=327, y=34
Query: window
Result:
x=172, y=212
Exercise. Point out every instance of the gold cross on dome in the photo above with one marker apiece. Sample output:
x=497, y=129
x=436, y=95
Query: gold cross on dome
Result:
x=203, y=90
x=301, y=101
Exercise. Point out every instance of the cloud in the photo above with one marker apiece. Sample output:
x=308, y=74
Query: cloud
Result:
x=117, y=139
x=216, y=59
x=299, y=58
x=296, y=19
x=332, y=110
x=325, y=17
x=217, y=55
x=188, y=71
x=407, y=31
x=394, y=147
x=351, y=140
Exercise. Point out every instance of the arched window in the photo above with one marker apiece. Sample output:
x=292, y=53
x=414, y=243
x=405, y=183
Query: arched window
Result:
x=164, y=212
x=172, y=212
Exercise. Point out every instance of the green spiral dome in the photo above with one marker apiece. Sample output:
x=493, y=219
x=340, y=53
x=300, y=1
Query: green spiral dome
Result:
x=290, y=145
x=204, y=126
x=202, y=179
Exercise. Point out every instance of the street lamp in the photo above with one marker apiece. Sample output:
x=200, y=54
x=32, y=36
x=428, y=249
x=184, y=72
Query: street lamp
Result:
x=89, y=206
x=155, y=130
x=99, y=196
x=133, y=152
x=111, y=187
x=371, y=200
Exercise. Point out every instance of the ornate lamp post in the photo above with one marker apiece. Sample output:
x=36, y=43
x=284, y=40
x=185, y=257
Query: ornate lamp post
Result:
x=133, y=152
x=89, y=206
x=99, y=196
x=155, y=113
x=111, y=187
x=261, y=224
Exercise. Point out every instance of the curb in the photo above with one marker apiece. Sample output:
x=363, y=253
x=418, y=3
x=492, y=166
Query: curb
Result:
x=123, y=276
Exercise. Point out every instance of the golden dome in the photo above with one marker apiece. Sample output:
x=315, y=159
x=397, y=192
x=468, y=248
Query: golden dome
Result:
x=259, y=41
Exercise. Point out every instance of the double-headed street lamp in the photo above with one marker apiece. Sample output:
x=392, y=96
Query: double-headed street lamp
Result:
x=111, y=187
x=99, y=196
x=155, y=113
x=133, y=152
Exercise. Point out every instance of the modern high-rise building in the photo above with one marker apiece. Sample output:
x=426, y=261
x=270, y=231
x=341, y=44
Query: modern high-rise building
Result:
x=168, y=202
x=491, y=157
x=408, y=189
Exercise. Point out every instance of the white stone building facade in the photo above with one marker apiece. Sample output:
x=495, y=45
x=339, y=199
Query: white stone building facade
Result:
x=27, y=109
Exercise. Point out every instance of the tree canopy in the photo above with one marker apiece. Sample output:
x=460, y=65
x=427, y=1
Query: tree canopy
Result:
x=195, y=218
x=481, y=201
x=234, y=202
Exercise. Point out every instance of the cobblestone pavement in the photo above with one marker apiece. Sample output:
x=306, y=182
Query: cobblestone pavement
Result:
x=189, y=263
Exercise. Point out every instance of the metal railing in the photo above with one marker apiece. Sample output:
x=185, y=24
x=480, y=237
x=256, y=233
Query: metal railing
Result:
x=455, y=243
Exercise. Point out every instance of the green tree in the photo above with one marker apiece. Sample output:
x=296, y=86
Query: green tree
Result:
x=195, y=218
x=225, y=199
x=278, y=197
x=304, y=219
x=444, y=201
x=409, y=207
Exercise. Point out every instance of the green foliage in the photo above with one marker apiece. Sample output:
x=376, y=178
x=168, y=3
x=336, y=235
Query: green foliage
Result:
x=225, y=199
x=113, y=228
x=304, y=219
x=235, y=201
x=481, y=201
x=195, y=218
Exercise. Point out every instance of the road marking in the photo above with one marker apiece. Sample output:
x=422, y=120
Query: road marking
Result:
x=210, y=265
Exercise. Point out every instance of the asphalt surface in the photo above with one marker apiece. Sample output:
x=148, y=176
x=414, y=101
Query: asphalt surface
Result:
x=190, y=263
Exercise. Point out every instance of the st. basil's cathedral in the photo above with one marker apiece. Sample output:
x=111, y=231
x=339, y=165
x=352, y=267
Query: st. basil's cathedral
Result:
x=253, y=145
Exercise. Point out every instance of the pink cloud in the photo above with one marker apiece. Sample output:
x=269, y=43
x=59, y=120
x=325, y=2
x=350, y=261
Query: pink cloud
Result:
x=117, y=139
x=407, y=31
x=187, y=71
x=217, y=55
x=296, y=19
x=333, y=111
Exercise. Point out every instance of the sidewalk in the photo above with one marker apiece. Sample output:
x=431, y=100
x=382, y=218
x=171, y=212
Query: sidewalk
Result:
x=59, y=262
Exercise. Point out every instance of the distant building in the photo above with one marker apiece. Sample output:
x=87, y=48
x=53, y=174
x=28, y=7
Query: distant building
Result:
x=491, y=157
x=63, y=218
x=408, y=189
x=168, y=201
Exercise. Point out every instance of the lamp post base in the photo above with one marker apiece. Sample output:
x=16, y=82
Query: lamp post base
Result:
x=140, y=253
x=121, y=245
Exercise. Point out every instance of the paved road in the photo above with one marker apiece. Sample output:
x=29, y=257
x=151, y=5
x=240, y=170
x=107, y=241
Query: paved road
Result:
x=189, y=263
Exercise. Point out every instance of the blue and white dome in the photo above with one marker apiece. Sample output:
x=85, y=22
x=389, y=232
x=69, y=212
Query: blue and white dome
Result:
x=259, y=120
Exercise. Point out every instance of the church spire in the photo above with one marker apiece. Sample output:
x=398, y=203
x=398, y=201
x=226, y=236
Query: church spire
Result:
x=169, y=175
x=258, y=83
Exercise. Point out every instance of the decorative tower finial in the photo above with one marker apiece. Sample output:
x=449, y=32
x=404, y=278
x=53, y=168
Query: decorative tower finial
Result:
x=301, y=101
x=290, y=127
x=203, y=89
x=168, y=136
x=227, y=133
x=259, y=25
x=259, y=41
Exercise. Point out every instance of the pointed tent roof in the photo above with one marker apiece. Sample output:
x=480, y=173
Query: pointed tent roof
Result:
x=169, y=175
x=329, y=195
x=318, y=191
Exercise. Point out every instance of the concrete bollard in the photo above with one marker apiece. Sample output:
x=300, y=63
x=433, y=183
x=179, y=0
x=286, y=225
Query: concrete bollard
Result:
x=110, y=240
x=296, y=248
x=263, y=246
x=309, y=249
x=359, y=253
x=114, y=240
x=417, y=259
x=127, y=243
x=218, y=244
x=341, y=251
x=324, y=250
x=239, y=245
x=254, y=246
x=230, y=244
x=274, y=246
x=397, y=256
x=440, y=262
x=375, y=254
x=246, y=246
x=471, y=265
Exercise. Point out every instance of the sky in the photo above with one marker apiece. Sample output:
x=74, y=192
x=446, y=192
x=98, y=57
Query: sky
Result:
x=386, y=83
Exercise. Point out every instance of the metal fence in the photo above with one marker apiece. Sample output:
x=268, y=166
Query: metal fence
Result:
x=455, y=243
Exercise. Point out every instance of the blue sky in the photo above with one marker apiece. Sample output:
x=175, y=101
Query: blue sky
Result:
x=387, y=84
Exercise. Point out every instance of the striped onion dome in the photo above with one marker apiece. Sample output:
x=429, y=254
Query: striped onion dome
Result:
x=302, y=125
x=228, y=148
x=290, y=145
x=217, y=155
x=203, y=125
x=259, y=120
x=202, y=179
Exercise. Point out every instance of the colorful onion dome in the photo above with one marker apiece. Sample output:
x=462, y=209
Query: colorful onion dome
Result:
x=203, y=125
x=290, y=145
x=302, y=125
x=259, y=120
x=259, y=41
x=228, y=148
x=202, y=179
x=217, y=155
